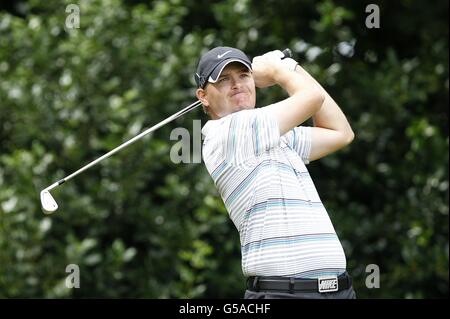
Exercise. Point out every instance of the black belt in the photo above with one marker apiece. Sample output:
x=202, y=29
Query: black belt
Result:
x=291, y=285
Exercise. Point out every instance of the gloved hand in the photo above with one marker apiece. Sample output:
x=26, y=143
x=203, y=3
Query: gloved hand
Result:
x=289, y=63
x=266, y=65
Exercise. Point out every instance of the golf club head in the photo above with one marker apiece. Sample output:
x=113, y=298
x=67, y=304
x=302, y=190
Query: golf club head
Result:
x=48, y=202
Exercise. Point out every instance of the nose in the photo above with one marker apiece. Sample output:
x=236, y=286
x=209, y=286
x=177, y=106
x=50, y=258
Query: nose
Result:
x=236, y=82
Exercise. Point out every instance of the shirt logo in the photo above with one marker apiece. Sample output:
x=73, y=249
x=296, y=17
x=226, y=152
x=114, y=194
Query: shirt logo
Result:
x=220, y=56
x=328, y=284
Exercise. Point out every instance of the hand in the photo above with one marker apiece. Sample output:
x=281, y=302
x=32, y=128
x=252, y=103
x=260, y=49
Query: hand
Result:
x=289, y=63
x=265, y=68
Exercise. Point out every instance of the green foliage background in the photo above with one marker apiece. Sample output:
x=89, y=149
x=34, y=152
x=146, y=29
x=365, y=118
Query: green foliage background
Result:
x=139, y=225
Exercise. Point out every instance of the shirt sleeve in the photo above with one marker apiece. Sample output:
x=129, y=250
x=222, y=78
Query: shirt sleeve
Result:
x=250, y=133
x=299, y=139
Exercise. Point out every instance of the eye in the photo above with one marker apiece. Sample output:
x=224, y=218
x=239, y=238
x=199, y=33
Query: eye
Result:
x=221, y=80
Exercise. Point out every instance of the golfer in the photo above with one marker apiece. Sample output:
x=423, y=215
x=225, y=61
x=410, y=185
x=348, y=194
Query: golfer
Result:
x=256, y=158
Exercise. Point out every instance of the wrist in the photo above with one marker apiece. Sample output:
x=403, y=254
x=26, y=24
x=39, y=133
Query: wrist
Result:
x=281, y=75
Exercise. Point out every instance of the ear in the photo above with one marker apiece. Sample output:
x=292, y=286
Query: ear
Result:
x=201, y=95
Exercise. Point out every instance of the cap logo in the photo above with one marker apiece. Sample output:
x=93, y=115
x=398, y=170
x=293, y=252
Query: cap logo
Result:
x=220, y=56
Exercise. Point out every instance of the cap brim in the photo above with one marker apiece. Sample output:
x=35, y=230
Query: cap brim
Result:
x=219, y=68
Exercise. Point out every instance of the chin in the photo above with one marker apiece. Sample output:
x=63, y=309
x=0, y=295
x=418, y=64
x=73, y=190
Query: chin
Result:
x=244, y=107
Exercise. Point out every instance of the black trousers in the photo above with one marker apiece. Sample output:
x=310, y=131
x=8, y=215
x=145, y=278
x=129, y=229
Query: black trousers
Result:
x=343, y=294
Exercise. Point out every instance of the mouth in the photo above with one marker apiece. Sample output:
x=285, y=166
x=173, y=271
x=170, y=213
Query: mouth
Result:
x=238, y=94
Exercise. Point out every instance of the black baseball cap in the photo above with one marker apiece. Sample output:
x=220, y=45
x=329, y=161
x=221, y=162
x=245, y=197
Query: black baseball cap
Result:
x=213, y=62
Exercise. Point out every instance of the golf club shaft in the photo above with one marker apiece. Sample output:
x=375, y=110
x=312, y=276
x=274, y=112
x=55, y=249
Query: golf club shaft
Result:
x=287, y=54
x=134, y=139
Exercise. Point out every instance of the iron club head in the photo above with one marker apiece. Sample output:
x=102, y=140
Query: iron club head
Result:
x=48, y=202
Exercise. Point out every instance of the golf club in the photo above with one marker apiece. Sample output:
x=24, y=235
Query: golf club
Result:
x=49, y=204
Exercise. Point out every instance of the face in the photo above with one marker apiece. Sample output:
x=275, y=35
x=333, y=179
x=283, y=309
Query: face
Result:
x=234, y=91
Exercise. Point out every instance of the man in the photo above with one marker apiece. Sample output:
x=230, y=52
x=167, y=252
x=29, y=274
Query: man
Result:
x=257, y=157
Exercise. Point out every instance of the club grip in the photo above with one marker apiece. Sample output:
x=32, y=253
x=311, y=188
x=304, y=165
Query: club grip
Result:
x=287, y=53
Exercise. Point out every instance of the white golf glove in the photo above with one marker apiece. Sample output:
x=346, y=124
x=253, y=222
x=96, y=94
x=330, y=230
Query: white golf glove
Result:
x=289, y=63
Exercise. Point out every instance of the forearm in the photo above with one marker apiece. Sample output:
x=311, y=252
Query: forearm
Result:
x=329, y=116
x=296, y=83
x=305, y=99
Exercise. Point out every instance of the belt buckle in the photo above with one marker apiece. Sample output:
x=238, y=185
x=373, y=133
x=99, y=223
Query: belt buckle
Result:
x=328, y=284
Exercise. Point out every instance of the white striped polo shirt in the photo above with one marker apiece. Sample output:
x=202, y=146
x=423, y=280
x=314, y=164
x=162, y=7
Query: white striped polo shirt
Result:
x=261, y=176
